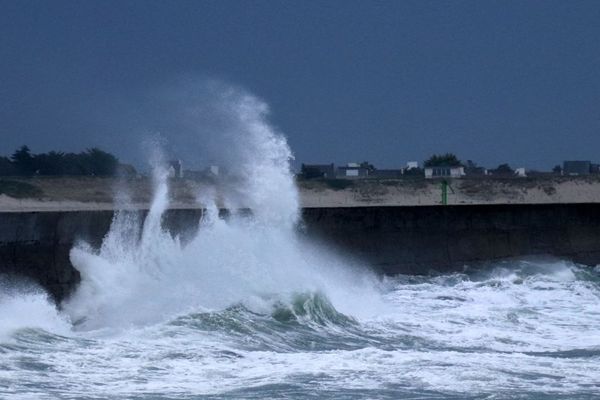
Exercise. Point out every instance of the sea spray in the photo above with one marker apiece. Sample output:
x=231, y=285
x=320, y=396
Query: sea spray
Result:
x=207, y=122
x=23, y=304
x=142, y=274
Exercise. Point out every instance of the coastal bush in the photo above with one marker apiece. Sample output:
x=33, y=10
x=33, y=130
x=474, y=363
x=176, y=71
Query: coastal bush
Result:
x=339, y=184
x=6, y=167
x=18, y=189
x=443, y=160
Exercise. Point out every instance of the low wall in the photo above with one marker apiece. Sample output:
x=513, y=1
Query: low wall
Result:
x=391, y=239
x=36, y=245
x=420, y=239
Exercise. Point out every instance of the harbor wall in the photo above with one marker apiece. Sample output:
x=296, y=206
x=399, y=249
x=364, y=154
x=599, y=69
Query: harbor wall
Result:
x=392, y=240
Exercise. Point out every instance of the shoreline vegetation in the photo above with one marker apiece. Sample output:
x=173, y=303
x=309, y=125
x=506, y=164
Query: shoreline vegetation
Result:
x=40, y=193
x=90, y=162
x=95, y=179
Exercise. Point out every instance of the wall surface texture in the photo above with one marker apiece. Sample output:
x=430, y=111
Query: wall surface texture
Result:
x=391, y=239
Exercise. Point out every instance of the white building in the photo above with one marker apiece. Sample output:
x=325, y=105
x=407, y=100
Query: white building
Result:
x=175, y=169
x=444, y=172
x=412, y=165
x=214, y=170
x=353, y=170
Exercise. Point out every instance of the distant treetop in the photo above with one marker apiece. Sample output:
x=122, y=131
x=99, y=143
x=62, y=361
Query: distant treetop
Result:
x=91, y=162
x=503, y=169
x=443, y=160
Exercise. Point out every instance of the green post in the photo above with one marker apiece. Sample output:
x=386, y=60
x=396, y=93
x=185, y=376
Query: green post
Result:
x=444, y=192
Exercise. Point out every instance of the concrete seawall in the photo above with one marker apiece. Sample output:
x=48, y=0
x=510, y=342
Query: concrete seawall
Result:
x=390, y=239
x=420, y=239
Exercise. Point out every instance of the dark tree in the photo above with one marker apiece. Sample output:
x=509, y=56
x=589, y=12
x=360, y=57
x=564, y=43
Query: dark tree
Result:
x=366, y=165
x=90, y=162
x=51, y=163
x=443, y=160
x=503, y=169
x=471, y=164
x=557, y=169
x=23, y=161
x=308, y=172
x=126, y=170
x=74, y=164
x=6, y=167
x=99, y=162
x=473, y=169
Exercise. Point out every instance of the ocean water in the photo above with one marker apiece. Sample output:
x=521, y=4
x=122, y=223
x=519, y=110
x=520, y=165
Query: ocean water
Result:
x=247, y=308
x=515, y=330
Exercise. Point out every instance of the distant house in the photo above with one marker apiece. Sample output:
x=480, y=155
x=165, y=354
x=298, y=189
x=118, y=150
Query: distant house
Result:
x=412, y=165
x=387, y=173
x=354, y=170
x=520, y=172
x=175, y=169
x=311, y=171
x=213, y=170
x=576, y=167
x=476, y=171
x=444, y=171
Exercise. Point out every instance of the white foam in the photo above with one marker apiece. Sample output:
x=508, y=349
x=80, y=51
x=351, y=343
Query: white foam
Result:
x=26, y=306
x=506, y=310
x=139, y=282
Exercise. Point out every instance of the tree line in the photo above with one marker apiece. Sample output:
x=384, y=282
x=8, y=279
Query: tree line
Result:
x=91, y=162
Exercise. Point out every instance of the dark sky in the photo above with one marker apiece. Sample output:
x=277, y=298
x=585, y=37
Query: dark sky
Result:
x=493, y=81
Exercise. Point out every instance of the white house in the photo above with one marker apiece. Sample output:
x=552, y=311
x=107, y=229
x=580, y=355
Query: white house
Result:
x=175, y=169
x=352, y=170
x=214, y=170
x=444, y=172
x=412, y=165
